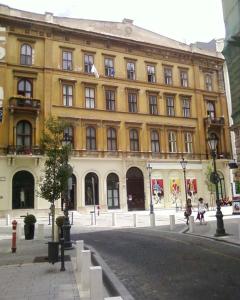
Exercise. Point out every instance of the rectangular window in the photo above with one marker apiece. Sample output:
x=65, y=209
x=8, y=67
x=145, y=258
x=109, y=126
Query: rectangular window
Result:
x=170, y=106
x=132, y=102
x=188, y=141
x=168, y=76
x=68, y=136
x=109, y=67
x=153, y=109
x=88, y=63
x=186, y=107
x=110, y=100
x=151, y=74
x=67, y=95
x=184, y=78
x=111, y=139
x=67, y=60
x=134, y=140
x=155, y=141
x=211, y=109
x=172, y=142
x=208, y=82
x=131, y=71
x=90, y=97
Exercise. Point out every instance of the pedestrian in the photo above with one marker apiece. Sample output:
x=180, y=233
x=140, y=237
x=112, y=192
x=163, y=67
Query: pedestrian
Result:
x=188, y=210
x=201, y=210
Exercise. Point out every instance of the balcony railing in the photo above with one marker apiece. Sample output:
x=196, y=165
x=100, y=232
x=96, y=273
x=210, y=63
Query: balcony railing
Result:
x=24, y=150
x=21, y=103
x=209, y=121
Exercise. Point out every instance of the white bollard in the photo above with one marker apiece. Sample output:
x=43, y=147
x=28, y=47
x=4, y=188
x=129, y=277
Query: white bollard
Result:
x=79, y=248
x=172, y=222
x=114, y=298
x=40, y=232
x=8, y=221
x=134, y=220
x=114, y=219
x=19, y=231
x=92, y=218
x=191, y=224
x=86, y=263
x=96, y=283
x=152, y=220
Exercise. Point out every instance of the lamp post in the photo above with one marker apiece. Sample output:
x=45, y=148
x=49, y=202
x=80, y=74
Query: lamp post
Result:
x=150, y=185
x=212, y=143
x=183, y=163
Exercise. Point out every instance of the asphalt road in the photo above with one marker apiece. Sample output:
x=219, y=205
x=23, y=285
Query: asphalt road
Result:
x=169, y=266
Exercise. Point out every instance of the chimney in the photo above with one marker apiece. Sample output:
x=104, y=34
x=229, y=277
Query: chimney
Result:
x=49, y=17
x=127, y=21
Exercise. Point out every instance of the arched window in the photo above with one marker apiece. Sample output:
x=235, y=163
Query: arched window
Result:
x=91, y=138
x=25, y=88
x=111, y=139
x=24, y=136
x=134, y=141
x=113, y=191
x=155, y=141
x=26, y=55
x=91, y=189
x=23, y=190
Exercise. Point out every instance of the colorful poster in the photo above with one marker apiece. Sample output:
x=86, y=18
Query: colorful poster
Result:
x=191, y=185
x=157, y=190
x=174, y=186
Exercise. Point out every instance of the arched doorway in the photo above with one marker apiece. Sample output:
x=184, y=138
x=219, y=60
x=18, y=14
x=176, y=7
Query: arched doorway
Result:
x=23, y=190
x=73, y=194
x=91, y=189
x=135, y=189
x=113, y=191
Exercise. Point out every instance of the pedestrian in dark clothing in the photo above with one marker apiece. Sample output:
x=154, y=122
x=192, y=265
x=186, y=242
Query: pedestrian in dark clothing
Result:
x=188, y=210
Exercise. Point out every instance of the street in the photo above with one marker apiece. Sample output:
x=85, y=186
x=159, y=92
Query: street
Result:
x=169, y=266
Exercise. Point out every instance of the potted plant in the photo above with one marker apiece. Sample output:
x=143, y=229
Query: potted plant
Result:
x=60, y=221
x=29, y=226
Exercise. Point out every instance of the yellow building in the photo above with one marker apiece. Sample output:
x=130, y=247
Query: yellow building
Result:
x=134, y=98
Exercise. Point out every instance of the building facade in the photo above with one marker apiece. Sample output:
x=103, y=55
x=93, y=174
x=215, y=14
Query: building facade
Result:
x=133, y=98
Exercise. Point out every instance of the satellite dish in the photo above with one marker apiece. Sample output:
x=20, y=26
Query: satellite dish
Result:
x=2, y=52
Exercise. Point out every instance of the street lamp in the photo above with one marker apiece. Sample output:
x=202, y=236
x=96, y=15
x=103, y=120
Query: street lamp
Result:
x=214, y=178
x=183, y=163
x=150, y=184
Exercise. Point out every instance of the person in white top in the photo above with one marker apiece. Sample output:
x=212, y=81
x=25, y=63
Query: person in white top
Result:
x=201, y=210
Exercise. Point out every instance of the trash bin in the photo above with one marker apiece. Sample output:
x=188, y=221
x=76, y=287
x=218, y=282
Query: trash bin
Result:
x=53, y=252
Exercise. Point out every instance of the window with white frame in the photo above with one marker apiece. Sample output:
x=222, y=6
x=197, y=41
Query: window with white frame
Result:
x=67, y=60
x=184, y=78
x=208, y=82
x=188, y=142
x=186, y=107
x=168, y=75
x=67, y=95
x=134, y=140
x=151, y=73
x=155, y=146
x=88, y=63
x=109, y=67
x=131, y=71
x=90, y=97
x=172, y=141
x=170, y=105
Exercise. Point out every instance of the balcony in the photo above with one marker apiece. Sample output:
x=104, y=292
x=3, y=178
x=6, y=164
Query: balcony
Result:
x=214, y=122
x=24, y=104
x=24, y=150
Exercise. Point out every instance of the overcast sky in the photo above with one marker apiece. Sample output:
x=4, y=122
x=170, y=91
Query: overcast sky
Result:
x=183, y=20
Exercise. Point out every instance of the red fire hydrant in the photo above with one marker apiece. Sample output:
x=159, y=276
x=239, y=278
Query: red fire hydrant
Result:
x=14, y=236
x=98, y=210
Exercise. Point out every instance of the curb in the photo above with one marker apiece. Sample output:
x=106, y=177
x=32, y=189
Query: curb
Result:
x=112, y=283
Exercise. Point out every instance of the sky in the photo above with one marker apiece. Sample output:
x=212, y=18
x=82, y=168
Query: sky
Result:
x=186, y=21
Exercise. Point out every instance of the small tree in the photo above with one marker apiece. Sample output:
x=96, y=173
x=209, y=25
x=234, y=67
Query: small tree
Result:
x=210, y=186
x=57, y=170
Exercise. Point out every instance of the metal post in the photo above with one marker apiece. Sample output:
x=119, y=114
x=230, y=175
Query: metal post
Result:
x=72, y=219
x=49, y=218
x=150, y=185
x=185, y=184
x=220, y=226
x=62, y=255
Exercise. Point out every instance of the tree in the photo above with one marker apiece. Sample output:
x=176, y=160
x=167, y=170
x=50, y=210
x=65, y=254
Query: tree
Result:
x=57, y=169
x=210, y=186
